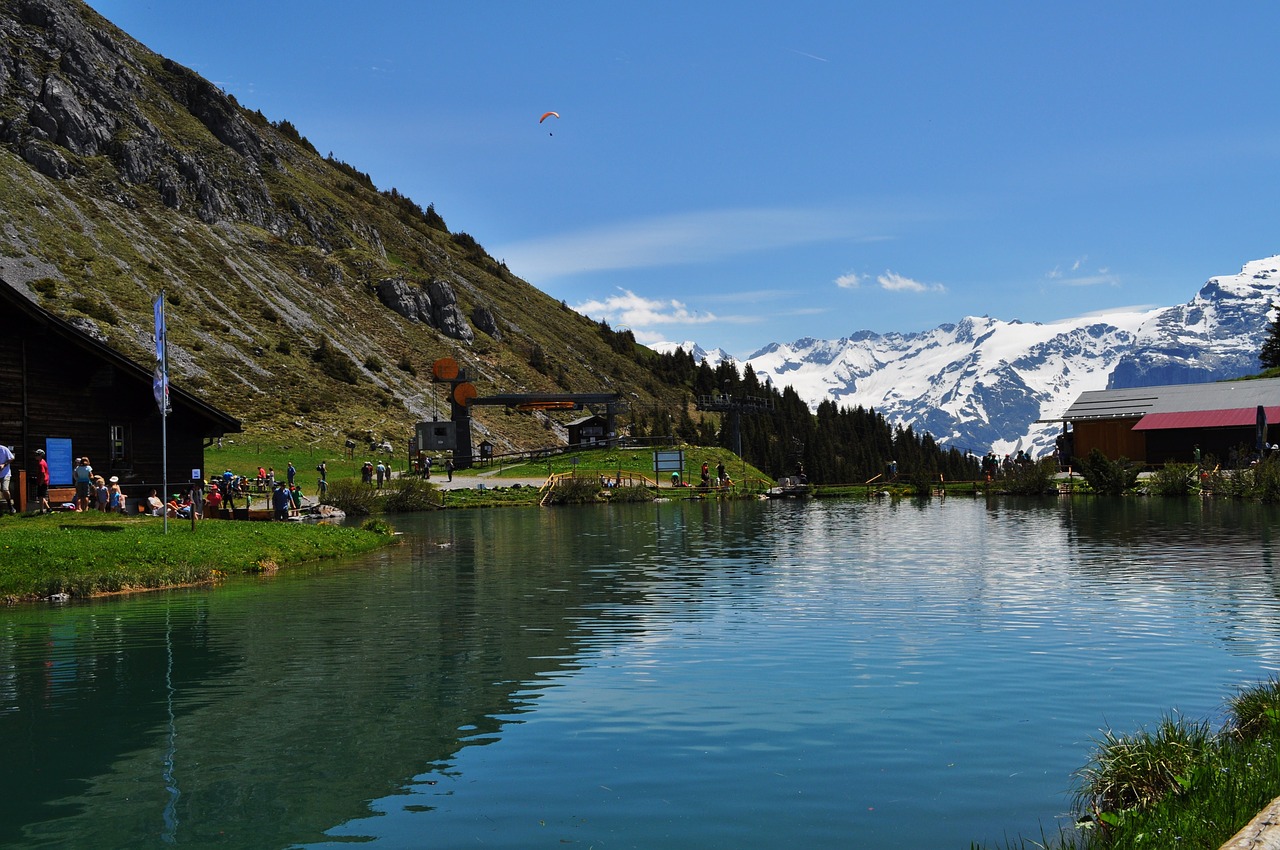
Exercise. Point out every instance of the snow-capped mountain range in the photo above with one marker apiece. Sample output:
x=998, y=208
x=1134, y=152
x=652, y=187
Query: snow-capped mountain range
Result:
x=714, y=357
x=986, y=383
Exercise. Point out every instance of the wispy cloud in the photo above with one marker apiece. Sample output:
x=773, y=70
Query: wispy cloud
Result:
x=636, y=311
x=808, y=55
x=894, y=282
x=685, y=238
x=889, y=282
x=1074, y=277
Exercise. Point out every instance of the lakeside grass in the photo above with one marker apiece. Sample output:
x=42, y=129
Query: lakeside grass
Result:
x=1179, y=785
x=92, y=553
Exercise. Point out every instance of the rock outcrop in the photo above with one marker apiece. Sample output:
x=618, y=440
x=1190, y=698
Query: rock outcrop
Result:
x=436, y=306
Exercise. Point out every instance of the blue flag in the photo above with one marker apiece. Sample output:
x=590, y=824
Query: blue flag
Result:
x=160, y=331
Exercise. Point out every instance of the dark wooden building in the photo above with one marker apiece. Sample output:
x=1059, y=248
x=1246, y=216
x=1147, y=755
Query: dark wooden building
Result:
x=1159, y=424
x=588, y=431
x=65, y=392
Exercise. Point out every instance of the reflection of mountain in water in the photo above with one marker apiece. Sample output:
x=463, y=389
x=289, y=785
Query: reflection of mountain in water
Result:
x=297, y=701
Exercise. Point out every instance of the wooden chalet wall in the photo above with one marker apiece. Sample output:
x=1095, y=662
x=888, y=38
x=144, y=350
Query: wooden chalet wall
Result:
x=1115, y=438
x=58, y=383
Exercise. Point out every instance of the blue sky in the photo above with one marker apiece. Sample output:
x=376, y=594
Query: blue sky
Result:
x=739, y=174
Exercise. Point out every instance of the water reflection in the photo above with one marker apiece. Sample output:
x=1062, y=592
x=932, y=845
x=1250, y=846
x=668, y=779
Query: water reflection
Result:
x=862, y=672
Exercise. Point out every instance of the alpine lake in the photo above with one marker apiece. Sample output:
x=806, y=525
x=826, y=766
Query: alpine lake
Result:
x=745, y=674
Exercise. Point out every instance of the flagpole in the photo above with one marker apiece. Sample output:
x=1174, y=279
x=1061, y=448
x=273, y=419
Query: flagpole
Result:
x=162, y=399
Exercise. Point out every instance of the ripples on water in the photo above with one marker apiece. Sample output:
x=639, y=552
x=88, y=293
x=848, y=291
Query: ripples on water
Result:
x=834, y=674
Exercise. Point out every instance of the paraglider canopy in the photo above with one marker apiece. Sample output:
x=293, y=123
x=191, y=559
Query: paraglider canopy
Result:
x=547, y=115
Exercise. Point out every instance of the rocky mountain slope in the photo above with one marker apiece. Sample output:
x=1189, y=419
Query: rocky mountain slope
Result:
x=300, y=297
x=987, y=383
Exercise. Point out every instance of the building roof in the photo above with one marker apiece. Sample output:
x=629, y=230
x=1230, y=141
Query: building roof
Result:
x=1137, y=402
x=219, y=421
x=1240, y=417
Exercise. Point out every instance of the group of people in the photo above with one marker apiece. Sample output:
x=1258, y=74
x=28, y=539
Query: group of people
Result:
x=993, y=466
x=368, y=472
x=722, y=478
x=93, y=492
x=286, y=496
x=423, y=464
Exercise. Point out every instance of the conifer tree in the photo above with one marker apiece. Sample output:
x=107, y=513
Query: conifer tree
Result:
x=1269, y=356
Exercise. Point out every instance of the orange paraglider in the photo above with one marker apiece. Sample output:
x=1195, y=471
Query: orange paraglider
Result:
x=547, y=115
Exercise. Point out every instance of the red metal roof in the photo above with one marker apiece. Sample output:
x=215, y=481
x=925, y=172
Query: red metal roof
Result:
x=1239, y=417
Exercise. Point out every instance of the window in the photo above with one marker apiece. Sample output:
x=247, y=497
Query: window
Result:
x=121, y=448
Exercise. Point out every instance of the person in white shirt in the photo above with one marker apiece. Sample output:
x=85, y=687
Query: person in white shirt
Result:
x=6, y=470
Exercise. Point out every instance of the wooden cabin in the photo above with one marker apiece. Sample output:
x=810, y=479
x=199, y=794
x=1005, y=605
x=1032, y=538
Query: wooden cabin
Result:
x=1155, y=425
x=65, y=392
x=588, y=431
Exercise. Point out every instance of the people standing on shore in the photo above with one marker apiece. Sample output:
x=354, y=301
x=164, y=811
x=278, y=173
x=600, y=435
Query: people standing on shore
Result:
x=82, y=476
x=42, y=483
x=6, y=472
x=281, y=501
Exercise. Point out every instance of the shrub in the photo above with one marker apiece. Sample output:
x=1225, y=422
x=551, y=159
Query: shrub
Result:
x=1233, y=483
x=412, y=494
x=1173, y=479
x=334, y=363
x=1140, y=770
x=1109, y=477
x=1255, y=711
x=96, y=309
x=1032, y=479
x=634, y=493
x=378, y=526
x=574, y=491
x=351, y=496
x=1266, y=480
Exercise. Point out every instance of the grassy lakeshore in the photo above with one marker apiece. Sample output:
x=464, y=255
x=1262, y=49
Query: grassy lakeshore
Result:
x=1180, y=784
x=92, y=553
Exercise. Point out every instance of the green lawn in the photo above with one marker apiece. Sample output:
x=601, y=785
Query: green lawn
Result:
x=84, y=554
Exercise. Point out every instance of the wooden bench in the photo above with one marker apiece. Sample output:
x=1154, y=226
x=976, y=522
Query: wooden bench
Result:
x=61, y=495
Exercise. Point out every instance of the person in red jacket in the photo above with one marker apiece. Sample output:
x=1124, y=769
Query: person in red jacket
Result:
x=42, y=482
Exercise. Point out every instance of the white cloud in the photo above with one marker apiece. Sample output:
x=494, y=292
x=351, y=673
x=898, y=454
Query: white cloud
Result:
x=684, y=238
x=894, y=282
x=637, y=312
x=852, y=280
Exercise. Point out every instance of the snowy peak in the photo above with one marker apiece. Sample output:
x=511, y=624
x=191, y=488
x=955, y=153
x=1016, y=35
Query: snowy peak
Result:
x=985, y=383
x=713, y=358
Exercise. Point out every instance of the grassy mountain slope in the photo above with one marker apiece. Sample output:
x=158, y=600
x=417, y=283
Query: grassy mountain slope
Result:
x=124, y=174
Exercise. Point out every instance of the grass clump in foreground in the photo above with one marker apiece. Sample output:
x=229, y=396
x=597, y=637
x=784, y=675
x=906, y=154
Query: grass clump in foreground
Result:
x=1181, y=785
x=87, y=554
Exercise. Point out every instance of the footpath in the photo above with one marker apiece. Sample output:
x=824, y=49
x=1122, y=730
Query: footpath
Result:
x=487, y=480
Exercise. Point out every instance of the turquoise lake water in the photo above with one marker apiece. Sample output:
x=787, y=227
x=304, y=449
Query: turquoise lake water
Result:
x=868, y=674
